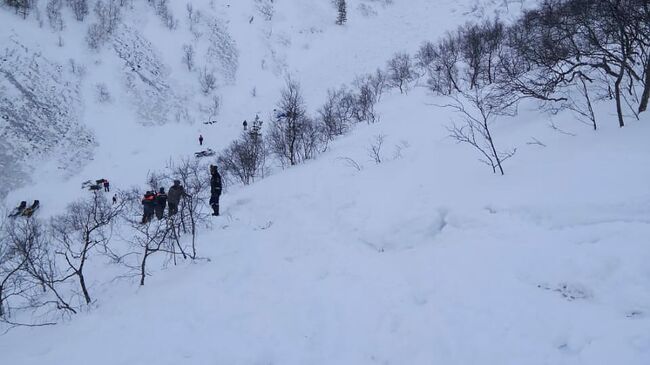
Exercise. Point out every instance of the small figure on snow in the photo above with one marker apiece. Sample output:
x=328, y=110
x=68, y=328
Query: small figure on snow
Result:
x=200, y=140
x=107, y=186
x=245, y=124
x=115, y=199
x=19, y=209
x=28, y=212
x=215, y=189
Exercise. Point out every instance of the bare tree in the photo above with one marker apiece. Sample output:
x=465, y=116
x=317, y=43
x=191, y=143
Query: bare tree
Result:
x=193, y=16
x=147, y=238
x=207, y=80
x=338, y=112
x=245, y=159
x=79, y=8
x=365, y=101
x=39, y=277
x=342, y=12
x=400, y=71
x=54, y=15
x=289, y=123
x=196, y=180
x=188, y=56
x=478, y=110
x=374, y=151
x=85, y=225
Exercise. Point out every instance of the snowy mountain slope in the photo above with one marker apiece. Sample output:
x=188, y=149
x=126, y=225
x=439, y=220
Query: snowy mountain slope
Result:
x=424, y=258
x=421, y=259
x=41, y=110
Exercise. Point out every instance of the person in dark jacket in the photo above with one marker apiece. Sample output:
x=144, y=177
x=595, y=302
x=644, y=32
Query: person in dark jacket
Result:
x=161, y=203
x=200, y=140
x=148, y=205
x=176, y=192
x=107, y=186
x=215, y=189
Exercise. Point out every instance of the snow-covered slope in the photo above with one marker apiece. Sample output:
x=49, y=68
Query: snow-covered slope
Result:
x=424, y=258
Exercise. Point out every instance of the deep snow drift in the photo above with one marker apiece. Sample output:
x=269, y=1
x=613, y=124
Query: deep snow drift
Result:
x=424, y=258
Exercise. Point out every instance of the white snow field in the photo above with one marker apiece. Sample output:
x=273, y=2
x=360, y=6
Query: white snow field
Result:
x=424, y=258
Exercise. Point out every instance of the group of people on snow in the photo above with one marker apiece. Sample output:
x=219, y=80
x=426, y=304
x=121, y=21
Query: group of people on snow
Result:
x=154, y=203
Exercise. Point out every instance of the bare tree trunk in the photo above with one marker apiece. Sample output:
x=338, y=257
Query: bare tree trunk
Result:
x=143, y=266
x=82, y=282
x=592, y=116
x=494, y=150
x=646, y=89
x=617, y=95
x=2, y=302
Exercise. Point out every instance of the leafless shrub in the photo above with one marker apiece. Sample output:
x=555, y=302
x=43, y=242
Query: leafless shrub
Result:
x=188, y=56
x=103, y=95
x=374, y=151
x=400, y=71
x=245, y=159
x=85, y=225
x=338, y=112
x=207, y=80
x=478, y=110
x=293, y=136
x=79, y=8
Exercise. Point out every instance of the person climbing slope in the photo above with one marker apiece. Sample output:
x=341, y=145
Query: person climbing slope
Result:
x=161, y=203
x=215, y=189
x=148, y=206
x=176, y=192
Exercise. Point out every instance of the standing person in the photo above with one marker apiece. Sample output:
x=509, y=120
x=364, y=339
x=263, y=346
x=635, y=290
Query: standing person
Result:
x=115, y=199
x=200, y=140
x=107, y=186
x=148, y=206
x=161, y=202
x=176, y=192
x=215, y=189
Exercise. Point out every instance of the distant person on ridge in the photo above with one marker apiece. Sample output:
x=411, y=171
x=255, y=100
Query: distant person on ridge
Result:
x=107, y=186
x=245, y=124
x=215, y=189
x=200, y=140
x=176, y=192
x=161, y=203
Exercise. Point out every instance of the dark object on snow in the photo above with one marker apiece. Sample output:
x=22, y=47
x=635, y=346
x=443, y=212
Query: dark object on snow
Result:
x=115, y=199
x=205, y=153
x=28, y=212
x=278, y=114
x=245, y=124
x=95, y=187
x=215, y=189
x=210, y=122
x=200, y=140
x=19, y=209
x=107, y=186
x=176, y=192
x=86, y=184
x=161, y=202
x=148, y=205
